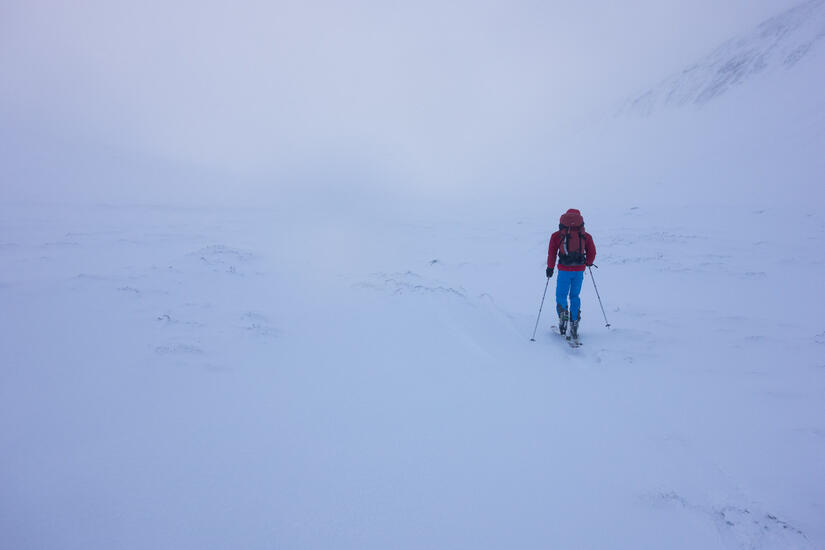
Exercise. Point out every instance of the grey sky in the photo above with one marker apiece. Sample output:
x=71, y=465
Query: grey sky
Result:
x=418, y=91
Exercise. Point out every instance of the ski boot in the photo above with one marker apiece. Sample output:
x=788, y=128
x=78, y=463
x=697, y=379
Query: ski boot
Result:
x=574, y=327
x=564, y=315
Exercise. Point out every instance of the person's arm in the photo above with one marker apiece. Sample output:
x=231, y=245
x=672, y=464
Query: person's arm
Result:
x=553, y=250
x=590, y=250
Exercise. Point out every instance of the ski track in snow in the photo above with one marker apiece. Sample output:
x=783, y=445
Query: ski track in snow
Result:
x=695, y=329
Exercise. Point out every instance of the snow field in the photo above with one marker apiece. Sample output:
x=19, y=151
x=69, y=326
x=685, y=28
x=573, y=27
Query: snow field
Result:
x=228, y=378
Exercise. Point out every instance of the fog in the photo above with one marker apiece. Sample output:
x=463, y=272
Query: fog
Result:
x=151, y=101
x=270, y=271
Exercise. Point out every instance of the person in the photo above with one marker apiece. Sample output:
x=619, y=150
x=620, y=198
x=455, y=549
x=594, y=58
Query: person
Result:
x=575, y=250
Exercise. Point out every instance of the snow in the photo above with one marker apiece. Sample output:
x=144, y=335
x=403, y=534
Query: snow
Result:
x=184, y=378
x=777, y=44
x=357, y=372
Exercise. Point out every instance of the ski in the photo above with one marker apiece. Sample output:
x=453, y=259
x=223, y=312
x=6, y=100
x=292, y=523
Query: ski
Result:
x=573, y=343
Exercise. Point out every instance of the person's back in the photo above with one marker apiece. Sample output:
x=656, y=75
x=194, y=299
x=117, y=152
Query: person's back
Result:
x=571, y=250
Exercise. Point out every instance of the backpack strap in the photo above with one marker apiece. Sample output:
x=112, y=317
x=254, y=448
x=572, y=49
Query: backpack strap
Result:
x=566, y=240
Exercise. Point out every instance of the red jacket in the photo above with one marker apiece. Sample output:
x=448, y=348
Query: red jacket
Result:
x=557, y=249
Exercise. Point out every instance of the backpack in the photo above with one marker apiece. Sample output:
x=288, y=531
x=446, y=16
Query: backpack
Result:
x=572, y=248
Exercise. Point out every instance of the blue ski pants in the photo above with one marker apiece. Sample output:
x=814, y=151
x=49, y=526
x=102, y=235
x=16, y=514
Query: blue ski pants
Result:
x=569, y=283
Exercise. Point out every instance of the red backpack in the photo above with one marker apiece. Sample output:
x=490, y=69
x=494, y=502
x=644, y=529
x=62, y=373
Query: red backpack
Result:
x=572, y=249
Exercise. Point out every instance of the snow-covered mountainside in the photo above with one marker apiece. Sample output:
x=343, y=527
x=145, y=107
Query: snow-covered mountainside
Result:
x=759, y=141
x=778, y=44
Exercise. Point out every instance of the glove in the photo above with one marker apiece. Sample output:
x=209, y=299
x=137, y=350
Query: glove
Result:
x=549, y=272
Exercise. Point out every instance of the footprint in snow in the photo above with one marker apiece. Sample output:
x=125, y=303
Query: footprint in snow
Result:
x=129, y=290
x=218, y=253
x=742, y=526
x=222, y=258
x=178, y=349
x=258, y=323
x=169, y=320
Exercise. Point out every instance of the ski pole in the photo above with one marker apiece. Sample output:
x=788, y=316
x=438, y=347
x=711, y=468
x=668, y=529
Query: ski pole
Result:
x=597, y=295
x=533, y=339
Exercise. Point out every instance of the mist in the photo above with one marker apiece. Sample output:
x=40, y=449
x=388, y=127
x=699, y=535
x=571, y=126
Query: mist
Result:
x=286, y=274
x=193, y=101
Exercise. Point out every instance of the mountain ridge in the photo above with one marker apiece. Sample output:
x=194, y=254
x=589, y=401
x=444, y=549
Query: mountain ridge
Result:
x=780, y=42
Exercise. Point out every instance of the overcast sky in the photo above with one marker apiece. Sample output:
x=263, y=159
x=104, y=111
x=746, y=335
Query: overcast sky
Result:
x=413, y=92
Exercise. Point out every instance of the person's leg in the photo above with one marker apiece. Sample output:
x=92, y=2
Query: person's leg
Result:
x=576, y=280
x=562, y=290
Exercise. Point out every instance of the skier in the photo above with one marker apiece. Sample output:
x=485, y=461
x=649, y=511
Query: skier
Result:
x=575, y=250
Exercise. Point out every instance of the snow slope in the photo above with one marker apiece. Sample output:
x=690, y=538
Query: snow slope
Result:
x=741, y=126
x=774, y=47
x=309, y=375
